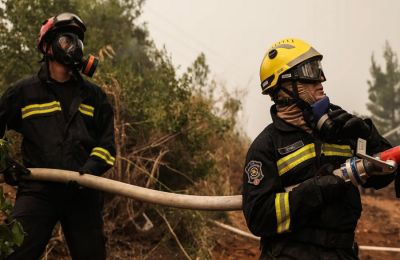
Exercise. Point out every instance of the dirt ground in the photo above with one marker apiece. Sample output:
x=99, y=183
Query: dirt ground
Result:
x=379, y=226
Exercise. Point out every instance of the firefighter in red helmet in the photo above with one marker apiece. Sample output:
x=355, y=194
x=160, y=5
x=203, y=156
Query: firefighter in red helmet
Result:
x=66, y=123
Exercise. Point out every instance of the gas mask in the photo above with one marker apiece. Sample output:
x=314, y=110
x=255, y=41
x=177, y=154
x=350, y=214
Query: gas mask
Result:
x=68, y=50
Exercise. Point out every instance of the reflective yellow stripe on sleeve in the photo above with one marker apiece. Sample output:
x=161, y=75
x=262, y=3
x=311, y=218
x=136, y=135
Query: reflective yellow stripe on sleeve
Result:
x=103, y=154
x=43, y=108
x=336, y=150
x=282, y=212
x=86, y=110
x=290, y=161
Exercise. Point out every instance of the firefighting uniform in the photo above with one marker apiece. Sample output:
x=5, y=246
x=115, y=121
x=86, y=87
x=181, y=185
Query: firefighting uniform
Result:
x=80, y=140
x=300, y=225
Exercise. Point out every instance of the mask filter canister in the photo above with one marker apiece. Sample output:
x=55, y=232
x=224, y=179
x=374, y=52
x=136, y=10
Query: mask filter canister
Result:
x=89, y=65
x=319, y=110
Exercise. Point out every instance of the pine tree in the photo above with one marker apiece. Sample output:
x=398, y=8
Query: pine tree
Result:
x=384, y=90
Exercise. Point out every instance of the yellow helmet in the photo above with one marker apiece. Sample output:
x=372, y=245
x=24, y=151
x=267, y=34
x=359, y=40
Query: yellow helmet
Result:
x=282, y=56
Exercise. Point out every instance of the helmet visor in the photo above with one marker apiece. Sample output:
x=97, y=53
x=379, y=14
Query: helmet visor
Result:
x=310, y=71
x=69, y=18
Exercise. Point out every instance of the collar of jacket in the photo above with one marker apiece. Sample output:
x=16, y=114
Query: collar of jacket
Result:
x=280, y=124
x=44, y=77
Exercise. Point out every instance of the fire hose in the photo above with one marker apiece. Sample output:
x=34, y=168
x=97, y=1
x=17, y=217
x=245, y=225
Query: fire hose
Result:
x=355, y=170
x=139, y=193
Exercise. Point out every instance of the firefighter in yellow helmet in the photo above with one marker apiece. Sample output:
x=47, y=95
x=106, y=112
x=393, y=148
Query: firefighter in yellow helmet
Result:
x=291, y=199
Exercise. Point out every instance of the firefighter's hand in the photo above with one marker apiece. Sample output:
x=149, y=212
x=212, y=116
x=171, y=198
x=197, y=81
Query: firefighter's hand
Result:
x=14, y=172
x=348, y=126
x=86, y=170
x=82, y=171
x=331, y=187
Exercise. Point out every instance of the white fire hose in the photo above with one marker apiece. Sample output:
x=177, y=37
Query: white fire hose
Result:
x=138, y=193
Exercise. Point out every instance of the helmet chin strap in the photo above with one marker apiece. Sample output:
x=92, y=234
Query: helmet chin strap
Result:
x=304, y=106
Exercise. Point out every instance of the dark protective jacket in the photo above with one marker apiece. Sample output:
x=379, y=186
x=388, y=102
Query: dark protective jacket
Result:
x=83, y=141
x=284, y=155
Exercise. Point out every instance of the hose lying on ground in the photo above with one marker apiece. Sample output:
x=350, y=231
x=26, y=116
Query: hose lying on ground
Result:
x=251, y=236
x=223, y=203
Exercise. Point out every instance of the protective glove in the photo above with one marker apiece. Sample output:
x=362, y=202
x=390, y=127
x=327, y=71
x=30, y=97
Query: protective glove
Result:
x=73, y=185
x=348, y=126
x=13, y=172
x=82, y=171
x=330, y=186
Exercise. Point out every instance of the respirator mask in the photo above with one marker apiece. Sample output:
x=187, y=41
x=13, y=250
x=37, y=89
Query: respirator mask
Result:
x=317, y=117
x=310, y=71
x=68, y=50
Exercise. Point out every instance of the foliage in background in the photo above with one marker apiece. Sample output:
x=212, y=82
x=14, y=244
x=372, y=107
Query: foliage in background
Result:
x=384, y=94
x=172, y=132
x=11, y=232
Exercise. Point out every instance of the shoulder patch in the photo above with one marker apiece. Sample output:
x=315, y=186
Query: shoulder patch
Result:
x=254, y=172
x=290, y=148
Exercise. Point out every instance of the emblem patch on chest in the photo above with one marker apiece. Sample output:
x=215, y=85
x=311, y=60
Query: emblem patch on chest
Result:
x=254, y=172
x=290, y=148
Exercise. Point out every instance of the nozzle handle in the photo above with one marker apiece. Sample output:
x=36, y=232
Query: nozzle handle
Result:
x=387, y=166
x=392, y=154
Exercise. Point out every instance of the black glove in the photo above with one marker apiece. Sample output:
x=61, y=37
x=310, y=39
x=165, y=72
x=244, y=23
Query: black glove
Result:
x=331, y=186
x=348, y=126
x=82, y=171
x=73, y=185
x=13, y=172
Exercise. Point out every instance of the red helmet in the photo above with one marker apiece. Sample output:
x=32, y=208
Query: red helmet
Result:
x=68, y=22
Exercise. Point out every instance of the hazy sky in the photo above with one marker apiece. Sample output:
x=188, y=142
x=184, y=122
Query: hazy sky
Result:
x=235, y=35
